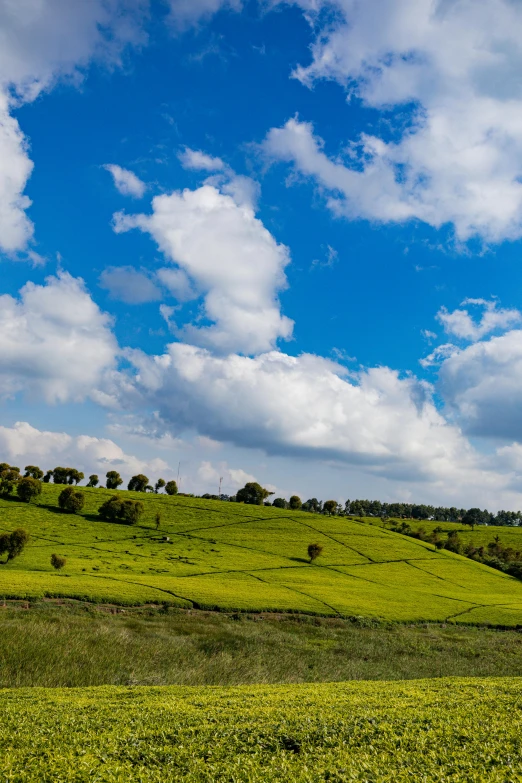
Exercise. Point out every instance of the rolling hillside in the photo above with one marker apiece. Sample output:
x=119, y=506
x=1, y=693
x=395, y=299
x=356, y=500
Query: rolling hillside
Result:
x=208, y=554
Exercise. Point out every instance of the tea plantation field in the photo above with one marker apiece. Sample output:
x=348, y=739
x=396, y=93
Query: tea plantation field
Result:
x=421, y=730
x=208, y=554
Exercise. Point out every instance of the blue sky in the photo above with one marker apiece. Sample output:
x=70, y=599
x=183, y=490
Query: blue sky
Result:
x=266, y=240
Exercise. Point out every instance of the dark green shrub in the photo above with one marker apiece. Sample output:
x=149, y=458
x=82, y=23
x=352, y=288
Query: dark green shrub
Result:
x=330, y=506
x=28, y=489
x=127, y=512
x=113, y=479
x=314, y=551
x=160, y=483
x=252, y=493
x=279, y=503
x=171, y=488
x=13, y=543
x=33, y=471
x=58, y=562
x=71, y=500
x=138, y=483
x=295, y=503
x=93, y=480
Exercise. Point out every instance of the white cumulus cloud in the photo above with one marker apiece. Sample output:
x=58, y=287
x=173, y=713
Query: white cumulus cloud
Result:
x=228, y=257
x=23, y=444
x=454, y=66
x=55, y=342
x=462, y=324
x=185, y=13
x=42, y=41
x=200, y=161
x=306, y=407
x=125, y=181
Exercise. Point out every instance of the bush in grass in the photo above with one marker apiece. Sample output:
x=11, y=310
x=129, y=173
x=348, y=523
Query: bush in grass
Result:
x=330, y=506
x=280, y=503
x=160, y=483
x=13, y=543
x=295, y=503
x=314, y=550
x=58, y=562
x=71, y=500
x=138, y=483
x=171, y=488
x=113, y=479
x=93, y=480
x=126, y=512
x=28, y=489
x=9, y=478
x=252, y=493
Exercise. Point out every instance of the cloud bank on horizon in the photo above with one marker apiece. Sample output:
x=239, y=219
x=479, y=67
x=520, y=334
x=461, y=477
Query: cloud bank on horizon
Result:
x=200, y=329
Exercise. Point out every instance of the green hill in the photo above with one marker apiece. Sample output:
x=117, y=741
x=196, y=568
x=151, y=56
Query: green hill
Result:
x=231, y=556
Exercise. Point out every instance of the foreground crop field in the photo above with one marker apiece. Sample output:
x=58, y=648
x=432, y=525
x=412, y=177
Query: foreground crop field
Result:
x=230, y=556
x=424, y=730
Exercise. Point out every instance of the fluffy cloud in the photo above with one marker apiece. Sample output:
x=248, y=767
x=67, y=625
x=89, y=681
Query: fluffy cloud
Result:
x=42, y=41
x=185, y=13
x=482, y=383
x=461, y=324
x=232, y=478
x=23, y=444
x=306, y=406
x=200, y=161
x=125, y=181
x=55, y=342
x=459, y=159
x=228, y=256
x=129, y=285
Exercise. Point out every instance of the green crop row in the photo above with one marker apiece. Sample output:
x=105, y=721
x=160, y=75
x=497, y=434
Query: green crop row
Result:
x=445, y=730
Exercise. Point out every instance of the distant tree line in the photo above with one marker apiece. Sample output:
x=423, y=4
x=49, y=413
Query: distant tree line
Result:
x=254, y=494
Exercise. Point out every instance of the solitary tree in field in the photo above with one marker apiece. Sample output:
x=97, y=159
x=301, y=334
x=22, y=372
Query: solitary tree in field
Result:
x=171, y=488
x=48, y=476
x=253, y=493
x=93, y=480
x=160, y=483
x=279, y=503
x=314, y=550
x=71, y=500
x=472, y=517
x=28, y=489
x=330, y=506
x=75, y=476
x=58, y=562
x=13, y=543
x=138, y=483
x=295, y=503
x=113, y=479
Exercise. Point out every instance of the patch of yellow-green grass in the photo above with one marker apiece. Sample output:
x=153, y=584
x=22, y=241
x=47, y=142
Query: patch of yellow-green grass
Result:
x=237, y=557
x=463, y=731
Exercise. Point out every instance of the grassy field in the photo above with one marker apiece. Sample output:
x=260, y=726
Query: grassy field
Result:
x=70, y=646
x=446, y=730
x=229, y=556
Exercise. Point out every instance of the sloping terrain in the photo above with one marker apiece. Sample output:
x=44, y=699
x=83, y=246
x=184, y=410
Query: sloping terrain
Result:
x=231, y=556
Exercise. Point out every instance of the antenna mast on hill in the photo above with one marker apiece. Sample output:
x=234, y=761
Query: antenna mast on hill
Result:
x=219, y=492
x=177, y=480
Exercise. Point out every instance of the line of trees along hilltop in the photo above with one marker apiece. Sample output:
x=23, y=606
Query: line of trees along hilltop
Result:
x=253, y=493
